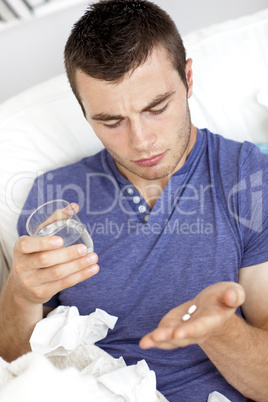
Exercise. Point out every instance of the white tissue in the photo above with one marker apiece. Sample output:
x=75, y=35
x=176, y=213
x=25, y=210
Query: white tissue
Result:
x=103, y=365
x=63, y=330
x=217, y=397
x=73, y=366
x=134, y=383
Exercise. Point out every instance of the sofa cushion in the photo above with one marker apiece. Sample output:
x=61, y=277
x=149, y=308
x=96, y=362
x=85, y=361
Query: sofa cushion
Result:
x=230, y=64
x=44, y=128
x=40, y=129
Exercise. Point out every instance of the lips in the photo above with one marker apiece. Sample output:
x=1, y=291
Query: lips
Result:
x=154, y=160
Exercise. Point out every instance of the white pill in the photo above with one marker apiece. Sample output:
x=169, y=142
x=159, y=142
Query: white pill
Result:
x=192, y=309
x=186, y=317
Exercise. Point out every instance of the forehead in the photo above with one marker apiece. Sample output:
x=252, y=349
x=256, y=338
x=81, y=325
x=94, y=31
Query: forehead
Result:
x=137, y=88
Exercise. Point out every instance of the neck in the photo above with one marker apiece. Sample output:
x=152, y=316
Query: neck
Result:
x=151, y=190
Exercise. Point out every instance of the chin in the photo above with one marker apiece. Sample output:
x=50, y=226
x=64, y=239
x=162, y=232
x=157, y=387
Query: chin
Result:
x=155, y=173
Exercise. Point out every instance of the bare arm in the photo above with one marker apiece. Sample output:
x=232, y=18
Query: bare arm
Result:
x=41, y=269
x=240, y=352
x=239, y=349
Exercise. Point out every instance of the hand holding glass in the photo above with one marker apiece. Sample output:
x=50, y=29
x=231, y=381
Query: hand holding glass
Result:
x=58, y=218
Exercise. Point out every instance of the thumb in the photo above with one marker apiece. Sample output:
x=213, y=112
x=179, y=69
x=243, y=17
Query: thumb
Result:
x=234, y=296
x=75, y=206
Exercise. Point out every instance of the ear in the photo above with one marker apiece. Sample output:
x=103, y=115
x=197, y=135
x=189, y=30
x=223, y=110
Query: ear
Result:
x=189, y=77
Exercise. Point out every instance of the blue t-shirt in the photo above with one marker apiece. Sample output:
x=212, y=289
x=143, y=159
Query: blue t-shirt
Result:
x=210, y=220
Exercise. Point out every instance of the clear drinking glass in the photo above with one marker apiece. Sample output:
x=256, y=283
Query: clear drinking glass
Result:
x=58, y=218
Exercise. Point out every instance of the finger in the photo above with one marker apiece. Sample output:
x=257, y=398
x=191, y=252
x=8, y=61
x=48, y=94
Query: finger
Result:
x=193, y=331
x=61, y=271
x=181, y=335
x=155, y=337
x=31, y=244
x=235, y=296
x=78, y=277
x=171, y=344
x=163, y=338
x=75, y=206
x=60, y=215
x=147, y=342
x=48, y=258
x=43, y=292
x=197, y=329
x=158, y=345
x=47, y=290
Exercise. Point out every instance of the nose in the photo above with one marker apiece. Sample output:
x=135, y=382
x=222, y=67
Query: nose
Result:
x=141, y=135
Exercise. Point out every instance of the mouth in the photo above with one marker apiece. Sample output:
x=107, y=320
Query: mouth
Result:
x=154, y=160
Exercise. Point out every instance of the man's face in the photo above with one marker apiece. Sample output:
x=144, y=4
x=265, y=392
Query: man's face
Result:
x=143, y=121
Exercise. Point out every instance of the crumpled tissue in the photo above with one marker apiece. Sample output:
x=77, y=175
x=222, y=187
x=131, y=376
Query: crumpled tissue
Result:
x=66, y=341
x=65, y=356
x=217, y=397
x=124, y=382
x=64, y=329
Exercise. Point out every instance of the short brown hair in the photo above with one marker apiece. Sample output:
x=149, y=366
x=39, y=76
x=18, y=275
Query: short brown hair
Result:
x=114, y=37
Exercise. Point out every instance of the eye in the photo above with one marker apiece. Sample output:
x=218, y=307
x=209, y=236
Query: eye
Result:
x=110, y=126
x=158, y=111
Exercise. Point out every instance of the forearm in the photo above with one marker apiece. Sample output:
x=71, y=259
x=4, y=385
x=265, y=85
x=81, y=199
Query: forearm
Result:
x=240, y=353
x=41, y=268
x=17, y=321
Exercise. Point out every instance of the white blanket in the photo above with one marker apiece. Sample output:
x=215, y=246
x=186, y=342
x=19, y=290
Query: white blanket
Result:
x=37, y=378
x=67, y=366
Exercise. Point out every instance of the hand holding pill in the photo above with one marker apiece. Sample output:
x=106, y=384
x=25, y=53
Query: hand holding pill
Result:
x=197, y=320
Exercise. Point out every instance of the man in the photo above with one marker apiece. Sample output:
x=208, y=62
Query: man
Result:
x=172, y=213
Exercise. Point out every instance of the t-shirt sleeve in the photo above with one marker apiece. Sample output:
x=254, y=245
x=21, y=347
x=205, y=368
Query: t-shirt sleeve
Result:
x=252, y=212
x=32, y=202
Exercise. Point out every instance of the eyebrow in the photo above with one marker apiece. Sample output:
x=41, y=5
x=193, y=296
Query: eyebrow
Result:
x=159, y=99
x=155, y=102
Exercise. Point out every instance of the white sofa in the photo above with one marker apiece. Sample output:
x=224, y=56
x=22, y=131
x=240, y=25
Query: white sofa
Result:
x=44, y=127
